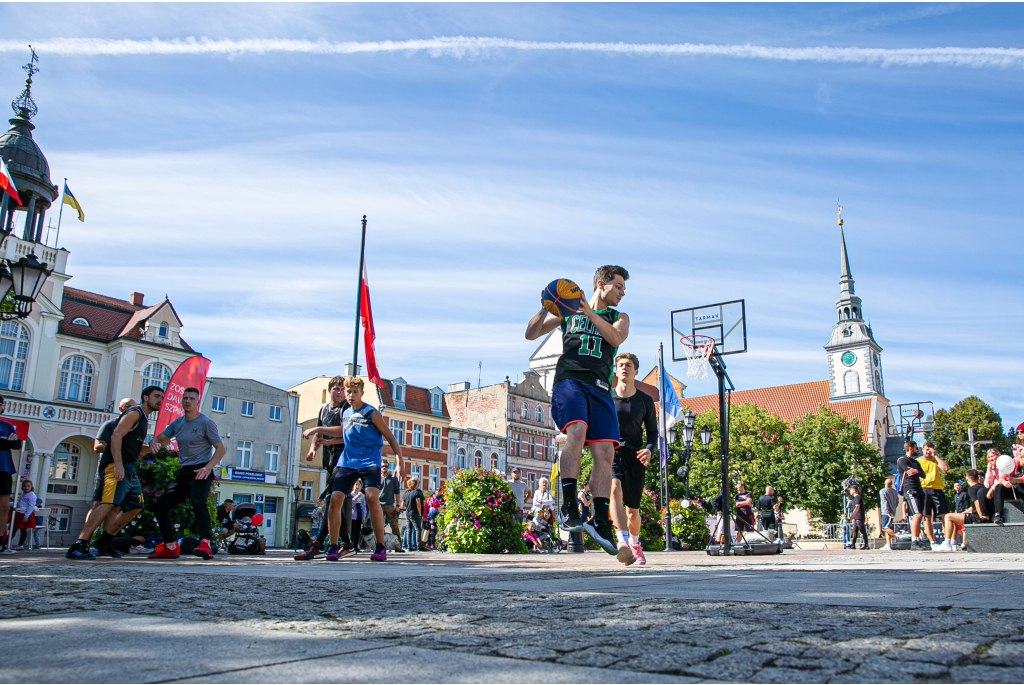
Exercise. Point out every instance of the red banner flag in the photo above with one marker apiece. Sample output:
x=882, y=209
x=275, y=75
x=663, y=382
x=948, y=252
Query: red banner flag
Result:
x=190, y=374
x=366, y=316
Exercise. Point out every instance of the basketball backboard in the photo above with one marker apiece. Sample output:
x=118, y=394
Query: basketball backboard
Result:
x=910, y=417
x=725, y=322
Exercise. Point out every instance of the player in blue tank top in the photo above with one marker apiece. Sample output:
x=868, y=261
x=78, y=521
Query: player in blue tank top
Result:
x=365, y=431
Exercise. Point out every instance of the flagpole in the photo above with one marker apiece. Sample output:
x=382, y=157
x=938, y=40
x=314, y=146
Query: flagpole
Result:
x=359, y=300
x=60, y=214
x=663, y=446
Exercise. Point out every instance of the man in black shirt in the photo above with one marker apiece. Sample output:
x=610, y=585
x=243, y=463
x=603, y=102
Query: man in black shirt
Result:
x=744, y=511
x=857, y=518
x=913, y=494
x=980, y=511
x=635, y=410
x=118, y=486
x=225, y=524
x=330, y=415
x=766, y=509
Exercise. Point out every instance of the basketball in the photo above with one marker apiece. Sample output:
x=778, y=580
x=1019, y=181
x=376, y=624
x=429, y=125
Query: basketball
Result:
x=561, y=297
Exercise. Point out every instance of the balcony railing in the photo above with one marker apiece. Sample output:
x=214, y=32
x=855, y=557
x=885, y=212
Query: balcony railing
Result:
x=34, y=410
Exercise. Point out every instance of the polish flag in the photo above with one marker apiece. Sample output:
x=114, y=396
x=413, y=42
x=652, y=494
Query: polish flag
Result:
x=366, y=316
x=7, y=182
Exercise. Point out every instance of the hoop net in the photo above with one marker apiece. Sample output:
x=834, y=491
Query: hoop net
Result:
x=698, y=350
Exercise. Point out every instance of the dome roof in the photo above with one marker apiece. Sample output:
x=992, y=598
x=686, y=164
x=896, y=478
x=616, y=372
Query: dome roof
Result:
x=17, y=146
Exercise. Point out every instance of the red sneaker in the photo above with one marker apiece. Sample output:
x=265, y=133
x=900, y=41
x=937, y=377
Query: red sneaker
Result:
x=309, y=554
x=161, y=552
x=203, y=550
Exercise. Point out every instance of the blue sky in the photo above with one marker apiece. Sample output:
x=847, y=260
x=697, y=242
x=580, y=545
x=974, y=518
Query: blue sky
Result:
x=232, y=176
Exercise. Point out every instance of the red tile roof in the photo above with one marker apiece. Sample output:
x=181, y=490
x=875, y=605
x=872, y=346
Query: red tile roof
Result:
x=109, y=318
x=789, y=402
x=417, y=399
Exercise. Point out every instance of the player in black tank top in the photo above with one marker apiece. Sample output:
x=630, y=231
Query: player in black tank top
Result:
x=581, y=402
x=586, y=356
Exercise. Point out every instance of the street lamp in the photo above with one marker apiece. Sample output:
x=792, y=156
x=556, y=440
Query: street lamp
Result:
x=24, y=278
x=705, y=436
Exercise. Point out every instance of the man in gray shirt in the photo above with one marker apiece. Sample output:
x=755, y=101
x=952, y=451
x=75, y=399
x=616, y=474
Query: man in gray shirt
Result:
x=519, y=490
x=199, y=450
x=390, y=491
x=888, y=499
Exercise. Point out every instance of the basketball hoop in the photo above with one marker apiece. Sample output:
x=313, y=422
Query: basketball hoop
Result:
x=698, y=349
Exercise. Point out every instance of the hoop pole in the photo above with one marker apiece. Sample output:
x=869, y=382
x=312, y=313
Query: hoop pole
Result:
x=723, y=438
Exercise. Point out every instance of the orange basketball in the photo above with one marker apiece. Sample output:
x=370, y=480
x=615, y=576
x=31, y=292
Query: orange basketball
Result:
x=561, y=297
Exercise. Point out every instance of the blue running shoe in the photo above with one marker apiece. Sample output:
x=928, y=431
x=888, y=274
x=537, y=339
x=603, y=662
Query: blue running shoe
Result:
x=80, y=552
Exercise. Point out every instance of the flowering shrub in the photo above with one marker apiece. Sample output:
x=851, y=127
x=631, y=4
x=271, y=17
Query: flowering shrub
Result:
x=688, y=525
x=652, y=528
x=479, y=514
x=155, y=471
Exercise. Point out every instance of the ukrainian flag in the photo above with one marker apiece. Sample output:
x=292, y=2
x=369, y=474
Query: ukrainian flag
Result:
x=70, y=200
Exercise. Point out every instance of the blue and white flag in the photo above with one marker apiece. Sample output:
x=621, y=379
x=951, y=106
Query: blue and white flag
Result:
x=671, y=407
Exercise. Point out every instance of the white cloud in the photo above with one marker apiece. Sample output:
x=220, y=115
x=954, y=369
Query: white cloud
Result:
x=468, y=46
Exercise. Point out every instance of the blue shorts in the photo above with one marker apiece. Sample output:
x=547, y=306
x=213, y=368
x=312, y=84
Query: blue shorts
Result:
x=343, y=478
x=887, y=522
x=573, y=401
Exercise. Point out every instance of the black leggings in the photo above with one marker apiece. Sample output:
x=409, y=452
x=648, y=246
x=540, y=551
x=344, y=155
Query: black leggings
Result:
x=1003, y=493
x=185, y=487
x=855, y=526
x=357, y=533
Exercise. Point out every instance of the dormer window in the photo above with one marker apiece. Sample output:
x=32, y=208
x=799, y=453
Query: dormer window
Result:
x=398, y=391
x=436, y=398
x=162, y=331
x=81, y=321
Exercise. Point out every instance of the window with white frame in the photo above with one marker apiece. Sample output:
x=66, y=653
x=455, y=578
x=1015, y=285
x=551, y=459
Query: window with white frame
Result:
x=398, y=428
x=75, y=379
x=460, y=458
x=478, y=459
x=531, y=481
x=162, y=329
x=64, y=463
x=416, y=471
x=60, y=519
x=435, y=478
x=539, y=414
x=524, y=411
x=156, y=374
x=398, y=391
x=248, y=408
x=273, y=458
x=13, y=352
x=217, y=404
x=306, y=492
x=435, y=438
x=435, y=401
x=417, y=435
x=243, y=457
x=494, y=461
x=81, y=321
x=275, y=413
x=533, y=448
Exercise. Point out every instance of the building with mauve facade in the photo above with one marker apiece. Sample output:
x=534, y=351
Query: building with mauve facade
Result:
x=520, y=412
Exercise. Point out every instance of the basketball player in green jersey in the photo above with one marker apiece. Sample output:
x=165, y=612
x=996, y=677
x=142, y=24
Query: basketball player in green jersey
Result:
x=581, y=400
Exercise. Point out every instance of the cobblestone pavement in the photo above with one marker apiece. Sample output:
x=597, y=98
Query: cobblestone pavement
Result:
x=759, y=642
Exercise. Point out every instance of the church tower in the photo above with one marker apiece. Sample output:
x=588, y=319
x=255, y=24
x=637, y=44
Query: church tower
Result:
x=854, y=358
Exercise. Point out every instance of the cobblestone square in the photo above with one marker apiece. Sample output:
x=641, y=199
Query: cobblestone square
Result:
x=802, y=617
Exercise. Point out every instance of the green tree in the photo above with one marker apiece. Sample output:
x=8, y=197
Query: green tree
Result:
x=951, y=426
x=758, y=441
x=826, y=449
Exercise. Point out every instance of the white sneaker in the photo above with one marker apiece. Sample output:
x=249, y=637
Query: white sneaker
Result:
x=943, y=547
x=885, y=548
x=8, y=550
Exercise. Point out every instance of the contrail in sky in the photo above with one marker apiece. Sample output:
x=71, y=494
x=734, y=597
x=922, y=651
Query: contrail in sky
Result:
x=463, y=46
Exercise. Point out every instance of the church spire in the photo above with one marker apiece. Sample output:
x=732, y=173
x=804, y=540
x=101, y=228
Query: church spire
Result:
x=848, y=306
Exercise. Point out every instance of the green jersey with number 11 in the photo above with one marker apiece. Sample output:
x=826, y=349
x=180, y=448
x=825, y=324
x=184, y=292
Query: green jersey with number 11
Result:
x=586, y=357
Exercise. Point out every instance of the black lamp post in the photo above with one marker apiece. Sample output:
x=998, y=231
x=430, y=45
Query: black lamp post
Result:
x=24, y=278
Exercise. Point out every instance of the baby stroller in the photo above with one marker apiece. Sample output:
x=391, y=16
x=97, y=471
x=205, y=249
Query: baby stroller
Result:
x=247, y=538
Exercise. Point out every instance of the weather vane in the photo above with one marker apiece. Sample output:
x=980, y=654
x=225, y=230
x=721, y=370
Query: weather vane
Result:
x=839, y=214
x=24, y=105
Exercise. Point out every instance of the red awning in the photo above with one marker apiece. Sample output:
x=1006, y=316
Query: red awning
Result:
x=20, y=426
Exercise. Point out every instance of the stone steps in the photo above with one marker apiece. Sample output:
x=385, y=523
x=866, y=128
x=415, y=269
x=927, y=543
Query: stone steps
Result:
x=990, y=537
